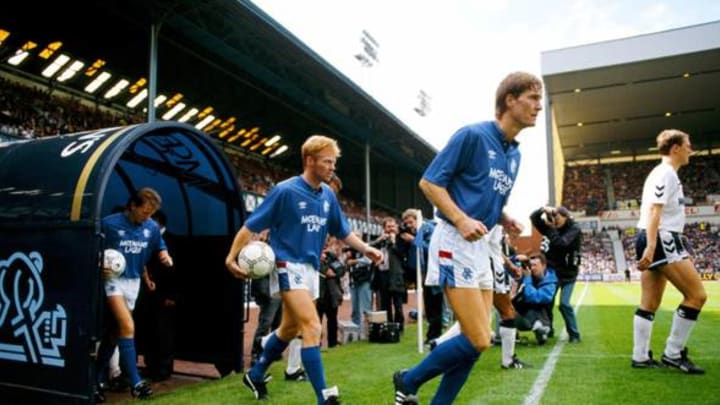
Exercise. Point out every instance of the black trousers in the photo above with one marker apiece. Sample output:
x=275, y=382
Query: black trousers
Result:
x=433, y=312
x=392, y=303
x=160, y=349
x=332, y=322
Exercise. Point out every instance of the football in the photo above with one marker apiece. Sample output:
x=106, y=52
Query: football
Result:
x=115, y=261
x=258, y=258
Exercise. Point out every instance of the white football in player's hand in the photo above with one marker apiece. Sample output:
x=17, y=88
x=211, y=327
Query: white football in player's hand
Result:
x=114, y=261
x=257, y=258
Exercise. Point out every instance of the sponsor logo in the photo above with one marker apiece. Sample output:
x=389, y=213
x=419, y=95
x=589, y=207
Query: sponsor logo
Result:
x=132, y=246
x=502, y=182
x=313, y=222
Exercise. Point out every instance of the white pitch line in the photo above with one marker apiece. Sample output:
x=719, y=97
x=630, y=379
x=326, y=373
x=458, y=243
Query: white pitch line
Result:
x=538, y=388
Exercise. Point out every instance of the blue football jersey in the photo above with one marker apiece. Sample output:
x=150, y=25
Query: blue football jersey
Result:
x=478, y=167
x=136, y=242
x=299, y=218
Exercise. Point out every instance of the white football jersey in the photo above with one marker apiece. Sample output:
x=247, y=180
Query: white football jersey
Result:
x=662, y=186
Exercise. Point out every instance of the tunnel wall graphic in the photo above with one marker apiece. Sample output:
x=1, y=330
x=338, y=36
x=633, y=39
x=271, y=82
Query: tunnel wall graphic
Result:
x=53, y=194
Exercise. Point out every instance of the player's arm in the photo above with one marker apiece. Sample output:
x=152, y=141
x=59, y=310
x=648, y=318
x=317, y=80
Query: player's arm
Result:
x=148, y=281
x=651, y=233
x=469, y=228
x=242, y=238
x=165, y=258
x=356, y=243
x=513, y=227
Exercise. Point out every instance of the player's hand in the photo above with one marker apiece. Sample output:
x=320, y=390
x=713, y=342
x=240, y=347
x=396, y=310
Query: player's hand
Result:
x=513, y=227
x=646, y=259
x=235, y=269
x=166, y=260
x=150, y=285
x=106, y=273
x=471, y=229
x=374, y=254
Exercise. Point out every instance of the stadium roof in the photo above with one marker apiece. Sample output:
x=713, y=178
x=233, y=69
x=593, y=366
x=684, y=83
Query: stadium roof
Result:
x=610, y=99
x=232, y=55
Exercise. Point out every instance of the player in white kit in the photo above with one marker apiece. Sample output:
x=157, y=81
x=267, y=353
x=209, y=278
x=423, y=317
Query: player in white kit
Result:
x=662, y=257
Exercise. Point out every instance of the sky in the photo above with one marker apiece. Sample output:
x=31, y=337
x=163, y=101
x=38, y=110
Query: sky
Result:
x=457, y=51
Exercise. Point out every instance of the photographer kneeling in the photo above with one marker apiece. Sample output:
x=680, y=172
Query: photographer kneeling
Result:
x=533, y=300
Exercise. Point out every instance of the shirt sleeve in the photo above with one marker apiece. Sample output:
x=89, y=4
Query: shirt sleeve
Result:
x=452, y=158
x=339, y=226
x=662, y=188
x=264, y=215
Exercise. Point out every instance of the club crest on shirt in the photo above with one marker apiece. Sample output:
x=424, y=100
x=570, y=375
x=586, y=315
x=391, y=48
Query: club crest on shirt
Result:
x=302, y=205
x=146, y=233
x=326, y=206
x=513, y=166
x=121, y=233
x=491, y=154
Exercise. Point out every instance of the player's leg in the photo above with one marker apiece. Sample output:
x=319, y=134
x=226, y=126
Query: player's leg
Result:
x=508, y=331
x=126, y=343
x=685, y=278
x=301, y=305
x=652, y=287
x=471, y=308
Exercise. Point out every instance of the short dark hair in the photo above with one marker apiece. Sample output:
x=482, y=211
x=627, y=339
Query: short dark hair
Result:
x=540, y=256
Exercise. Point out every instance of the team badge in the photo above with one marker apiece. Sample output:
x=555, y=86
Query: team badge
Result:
x=302, y=205
x=326, y=206
x=513, y=166
x=121, y=233
x=146, y=233
x=491, y=154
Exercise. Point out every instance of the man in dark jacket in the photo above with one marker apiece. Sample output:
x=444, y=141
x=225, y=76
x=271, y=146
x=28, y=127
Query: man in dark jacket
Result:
x=390, y=273
x=561, y=246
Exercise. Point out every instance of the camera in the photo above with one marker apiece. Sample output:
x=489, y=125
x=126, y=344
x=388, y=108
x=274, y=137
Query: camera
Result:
x=404, y=228
x=524, y=264
x=384, y=243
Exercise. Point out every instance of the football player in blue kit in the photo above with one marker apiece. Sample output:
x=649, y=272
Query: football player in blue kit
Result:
x=662, y=257
x=137, y=237
x=300, y=212
x=469, y=182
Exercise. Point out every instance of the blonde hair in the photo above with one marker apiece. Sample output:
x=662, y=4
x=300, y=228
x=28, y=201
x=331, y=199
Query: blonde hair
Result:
x=314, y=144
x=668, y=138
x=410, y=212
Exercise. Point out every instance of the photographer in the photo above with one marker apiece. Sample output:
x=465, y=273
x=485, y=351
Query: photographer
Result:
x=360, y=268
x=562, y=249
x=331, y=293
x=534, y=297
x=432, y=295
x=390, y=274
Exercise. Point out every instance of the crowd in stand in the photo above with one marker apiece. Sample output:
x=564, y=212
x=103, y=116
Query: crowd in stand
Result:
x=34, y=112
x=584, y=189
x=596, y=258
x=586, y=186
x=703, y=242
